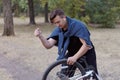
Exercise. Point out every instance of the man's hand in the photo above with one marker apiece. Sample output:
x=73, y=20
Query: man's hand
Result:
x=37, y=32
x=71, y=60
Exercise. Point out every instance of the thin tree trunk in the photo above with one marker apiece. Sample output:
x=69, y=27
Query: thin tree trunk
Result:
x=8, y=19
x=31, y=12
x=46, y=12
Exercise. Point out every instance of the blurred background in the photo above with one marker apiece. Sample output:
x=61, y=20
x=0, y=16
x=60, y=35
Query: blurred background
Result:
x=22, y=56
x=103, y=13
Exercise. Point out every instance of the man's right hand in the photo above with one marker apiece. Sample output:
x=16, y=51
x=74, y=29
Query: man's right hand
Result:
x=37, y=32
x=48, y=43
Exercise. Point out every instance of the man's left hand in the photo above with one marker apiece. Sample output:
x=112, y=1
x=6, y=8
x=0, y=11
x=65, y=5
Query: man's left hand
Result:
x=71, y=60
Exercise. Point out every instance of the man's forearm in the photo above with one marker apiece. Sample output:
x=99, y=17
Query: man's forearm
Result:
x=81, y=52
x=45, y=42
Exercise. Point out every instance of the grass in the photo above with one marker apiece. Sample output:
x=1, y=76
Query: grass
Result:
x=26, y=50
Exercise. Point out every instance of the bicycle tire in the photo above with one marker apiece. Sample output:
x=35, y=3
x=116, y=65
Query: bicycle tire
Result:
x=57, y=63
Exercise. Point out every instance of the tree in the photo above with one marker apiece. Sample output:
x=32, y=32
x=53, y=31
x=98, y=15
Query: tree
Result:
x=1, y=7
x=19, y=6
x=106, y=12
x=8, y=18
x=31, y=12
x=72, y=8
x=46, y=12
x=44, y=4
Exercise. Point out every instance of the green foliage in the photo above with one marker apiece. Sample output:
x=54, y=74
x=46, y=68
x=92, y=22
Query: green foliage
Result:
x=72, y=8
x=43, y=2
x=19, y=6
x=23, y=4
x=85, y=19
x=0, y=7
x=38, y=7
x=105, y=12
x=93, y=8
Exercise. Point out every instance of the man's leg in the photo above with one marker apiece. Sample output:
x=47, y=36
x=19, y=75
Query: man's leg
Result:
x=91, y=60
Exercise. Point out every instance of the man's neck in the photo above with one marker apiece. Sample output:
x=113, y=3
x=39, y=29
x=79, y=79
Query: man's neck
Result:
x=65, y=27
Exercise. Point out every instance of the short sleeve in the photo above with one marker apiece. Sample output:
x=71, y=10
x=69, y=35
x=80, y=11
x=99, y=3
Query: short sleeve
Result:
x=82, y=32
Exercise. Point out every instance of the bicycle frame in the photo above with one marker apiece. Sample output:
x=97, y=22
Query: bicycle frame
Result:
x=88, y=73
x=85, y=73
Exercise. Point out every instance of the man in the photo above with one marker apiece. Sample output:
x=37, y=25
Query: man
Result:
x=72, y=38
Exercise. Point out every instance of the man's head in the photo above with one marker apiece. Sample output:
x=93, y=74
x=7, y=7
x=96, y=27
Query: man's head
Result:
x=58, y=18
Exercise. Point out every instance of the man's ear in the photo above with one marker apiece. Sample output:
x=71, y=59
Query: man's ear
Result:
x=64, y=18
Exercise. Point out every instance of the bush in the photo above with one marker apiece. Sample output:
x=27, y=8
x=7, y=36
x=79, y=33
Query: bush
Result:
x=102, y=12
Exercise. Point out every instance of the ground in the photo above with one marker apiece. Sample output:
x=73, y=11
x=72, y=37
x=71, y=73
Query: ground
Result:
x=23, y=57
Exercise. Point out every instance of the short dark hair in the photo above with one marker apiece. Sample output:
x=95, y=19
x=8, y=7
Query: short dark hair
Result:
x=56, y=12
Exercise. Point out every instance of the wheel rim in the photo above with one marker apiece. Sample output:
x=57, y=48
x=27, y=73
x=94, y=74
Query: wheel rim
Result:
x=51, y=73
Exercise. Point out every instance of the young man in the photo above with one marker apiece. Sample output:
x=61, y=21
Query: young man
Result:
x=72, y=38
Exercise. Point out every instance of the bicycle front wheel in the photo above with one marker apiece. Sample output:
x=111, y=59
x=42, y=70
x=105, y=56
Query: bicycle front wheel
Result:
x=59, y=70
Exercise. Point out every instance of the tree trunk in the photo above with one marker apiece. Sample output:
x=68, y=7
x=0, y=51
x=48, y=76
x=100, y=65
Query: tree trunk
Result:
x=46, y=12
x=8, y=19
x=31, y=12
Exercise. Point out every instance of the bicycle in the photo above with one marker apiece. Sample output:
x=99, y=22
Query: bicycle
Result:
x=56, y=71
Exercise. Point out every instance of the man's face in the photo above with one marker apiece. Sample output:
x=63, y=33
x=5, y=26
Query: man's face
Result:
x=60, y=21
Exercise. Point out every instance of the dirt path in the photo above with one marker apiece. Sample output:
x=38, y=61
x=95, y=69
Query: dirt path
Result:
x=17, y=70
x=24, y=58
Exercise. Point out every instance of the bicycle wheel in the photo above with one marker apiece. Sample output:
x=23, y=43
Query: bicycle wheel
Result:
x=55, y=71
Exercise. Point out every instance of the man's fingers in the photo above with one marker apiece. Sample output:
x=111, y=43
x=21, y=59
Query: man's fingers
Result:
x=37, y=32
x=38, y=29
x=70, y=62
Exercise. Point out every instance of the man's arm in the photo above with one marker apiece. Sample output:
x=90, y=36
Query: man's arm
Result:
x=80, y=53
x=46, y=43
